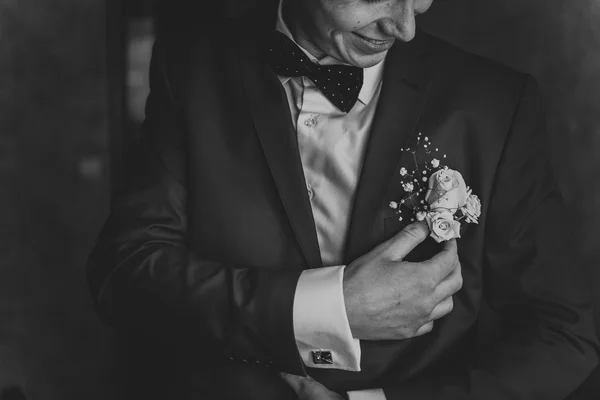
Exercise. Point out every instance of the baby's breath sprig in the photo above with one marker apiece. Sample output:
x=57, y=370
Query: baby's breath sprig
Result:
x=414, y=181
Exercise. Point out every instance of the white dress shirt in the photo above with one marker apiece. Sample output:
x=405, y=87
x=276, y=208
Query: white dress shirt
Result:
x=332, y=145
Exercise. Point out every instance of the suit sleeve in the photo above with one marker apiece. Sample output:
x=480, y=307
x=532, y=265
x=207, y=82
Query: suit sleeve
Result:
x=143, y=274
x=533, y=280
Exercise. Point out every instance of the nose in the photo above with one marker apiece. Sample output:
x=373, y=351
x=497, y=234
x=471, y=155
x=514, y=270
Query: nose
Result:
x=400, y=23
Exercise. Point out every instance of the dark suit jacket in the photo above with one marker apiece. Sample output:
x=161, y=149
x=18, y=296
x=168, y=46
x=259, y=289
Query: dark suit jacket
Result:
x=198, y=262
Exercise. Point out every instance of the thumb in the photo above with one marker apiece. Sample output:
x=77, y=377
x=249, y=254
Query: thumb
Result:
x=407, y=239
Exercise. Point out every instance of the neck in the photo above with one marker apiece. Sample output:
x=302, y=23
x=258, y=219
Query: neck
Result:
x=294, y=16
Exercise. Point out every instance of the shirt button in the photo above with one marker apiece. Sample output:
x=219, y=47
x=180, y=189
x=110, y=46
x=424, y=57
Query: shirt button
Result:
x=311, y=194
x=311, y=121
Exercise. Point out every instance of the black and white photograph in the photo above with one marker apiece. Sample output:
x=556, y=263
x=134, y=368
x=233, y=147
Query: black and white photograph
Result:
x=300, y=200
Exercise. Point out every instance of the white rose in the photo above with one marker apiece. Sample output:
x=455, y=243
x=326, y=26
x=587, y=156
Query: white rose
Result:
x=447, y=190
x=408, y=187
x=403, y=171
x=435, y=163
x=472, y=209
x=442, y=226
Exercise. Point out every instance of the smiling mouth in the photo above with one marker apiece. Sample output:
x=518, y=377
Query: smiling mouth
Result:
x=374, y=41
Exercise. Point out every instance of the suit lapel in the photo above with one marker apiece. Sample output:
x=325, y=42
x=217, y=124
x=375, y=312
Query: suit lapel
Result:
x=268, y=105
x=400, y=105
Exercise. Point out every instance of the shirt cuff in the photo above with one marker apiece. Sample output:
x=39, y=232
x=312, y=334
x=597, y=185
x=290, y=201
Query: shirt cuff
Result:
x=320, y=320
x=371, y=394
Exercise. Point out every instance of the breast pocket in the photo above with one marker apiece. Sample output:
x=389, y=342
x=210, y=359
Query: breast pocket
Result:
x=424, y=251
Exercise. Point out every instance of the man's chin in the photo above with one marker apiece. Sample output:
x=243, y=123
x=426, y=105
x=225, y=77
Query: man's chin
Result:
x=365, y=60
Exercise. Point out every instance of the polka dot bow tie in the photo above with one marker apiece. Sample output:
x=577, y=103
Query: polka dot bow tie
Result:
x=341, y=84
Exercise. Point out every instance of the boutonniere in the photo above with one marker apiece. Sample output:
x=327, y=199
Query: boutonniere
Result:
x=436, y=194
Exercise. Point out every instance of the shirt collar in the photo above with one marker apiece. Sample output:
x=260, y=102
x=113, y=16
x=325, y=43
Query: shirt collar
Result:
x=372, y=75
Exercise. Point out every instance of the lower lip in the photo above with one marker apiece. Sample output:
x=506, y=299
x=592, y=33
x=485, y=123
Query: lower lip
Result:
x=374, y=47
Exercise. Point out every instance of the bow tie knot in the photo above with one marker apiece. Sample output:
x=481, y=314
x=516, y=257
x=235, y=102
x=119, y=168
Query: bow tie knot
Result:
x=341, y=84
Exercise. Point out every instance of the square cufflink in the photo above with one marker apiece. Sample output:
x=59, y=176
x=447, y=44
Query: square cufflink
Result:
x=321, y=357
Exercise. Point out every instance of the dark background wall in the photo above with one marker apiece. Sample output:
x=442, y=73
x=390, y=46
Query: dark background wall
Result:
x=53, y=196
x=54, y=157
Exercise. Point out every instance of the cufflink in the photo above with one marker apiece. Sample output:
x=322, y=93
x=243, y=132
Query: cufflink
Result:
x=322, y=357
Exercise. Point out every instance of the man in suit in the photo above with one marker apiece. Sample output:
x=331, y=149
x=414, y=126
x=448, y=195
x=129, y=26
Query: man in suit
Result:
x=252, y=252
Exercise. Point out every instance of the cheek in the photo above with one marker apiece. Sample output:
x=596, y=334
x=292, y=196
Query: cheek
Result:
x=422, y=5
x=346, y=18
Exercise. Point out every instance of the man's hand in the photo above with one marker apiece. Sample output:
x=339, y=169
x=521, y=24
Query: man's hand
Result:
x=387, y=298
x=307, y=388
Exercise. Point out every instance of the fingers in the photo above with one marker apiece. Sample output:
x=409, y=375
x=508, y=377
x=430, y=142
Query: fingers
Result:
x=444, y=291
x=443, y=263
x=443, y=308
x=407, y=239
x=451, y=284
x=428, y=327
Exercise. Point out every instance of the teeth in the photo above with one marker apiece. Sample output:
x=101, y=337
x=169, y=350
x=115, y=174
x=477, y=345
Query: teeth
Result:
x=376, y=41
